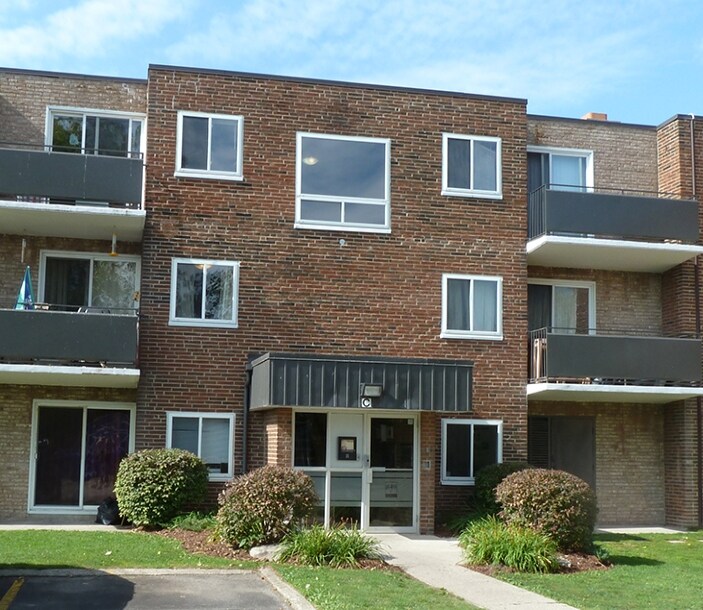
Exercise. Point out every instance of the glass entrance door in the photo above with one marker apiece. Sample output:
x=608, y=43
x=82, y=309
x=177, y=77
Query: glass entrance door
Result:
x=77, y=452
x=363, y=466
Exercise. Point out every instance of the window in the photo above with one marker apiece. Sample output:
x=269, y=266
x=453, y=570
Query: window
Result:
x=209, y=146
x=73, y=281
x=204, y=293
x=207, y=435
x=471, y=166
x=343, y=183
x=95, y=132
x=559, y=169
x=472, y=307
x=467, y=446
x=563, y=306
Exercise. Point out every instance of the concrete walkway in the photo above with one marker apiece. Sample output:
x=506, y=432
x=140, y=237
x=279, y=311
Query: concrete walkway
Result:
x=436, y=562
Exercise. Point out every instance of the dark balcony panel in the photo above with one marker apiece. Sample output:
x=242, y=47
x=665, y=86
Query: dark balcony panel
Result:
x=68, y=338
x=612, y=215
x=658, y=360
x=29, y=173
x=298, y=380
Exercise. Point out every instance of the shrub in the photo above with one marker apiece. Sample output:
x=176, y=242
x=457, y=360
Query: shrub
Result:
x=260, y=507
x=154, y=485
x=193, y=522
x=554, y=502
x=337, y=547
x=487, y=479
x=489, y=541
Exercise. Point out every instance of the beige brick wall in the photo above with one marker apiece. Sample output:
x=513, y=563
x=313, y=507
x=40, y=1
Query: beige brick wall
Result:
x=630, y=474
x=16, y=423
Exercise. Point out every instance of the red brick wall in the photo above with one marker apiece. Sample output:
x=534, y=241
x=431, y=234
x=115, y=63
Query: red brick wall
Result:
x=302, y=290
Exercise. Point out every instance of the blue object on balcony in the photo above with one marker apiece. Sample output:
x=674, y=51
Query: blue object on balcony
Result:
x=25, y=297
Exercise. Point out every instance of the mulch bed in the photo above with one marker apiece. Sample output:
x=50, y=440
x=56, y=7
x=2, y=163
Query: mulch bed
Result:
x=577, y=562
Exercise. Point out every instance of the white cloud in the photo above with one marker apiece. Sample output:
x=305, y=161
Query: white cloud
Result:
x=84, y=30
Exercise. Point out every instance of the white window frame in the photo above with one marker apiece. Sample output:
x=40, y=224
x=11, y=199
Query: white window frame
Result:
x=212, y=323
x=342, y=225
x=188, y=172
x=200, y=416
x=470, y=480
x=591, y=286
x=472, y=192
x=100, y=113
x=451, y=333
x=568, y=152
x=92, y=257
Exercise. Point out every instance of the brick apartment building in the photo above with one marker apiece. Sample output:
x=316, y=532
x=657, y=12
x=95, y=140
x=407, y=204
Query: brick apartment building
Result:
x=348, y=279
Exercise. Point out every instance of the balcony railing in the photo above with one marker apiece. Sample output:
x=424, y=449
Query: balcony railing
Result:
x=90, y=337
x=617, y=214
x=38, y=174
x=561, y=355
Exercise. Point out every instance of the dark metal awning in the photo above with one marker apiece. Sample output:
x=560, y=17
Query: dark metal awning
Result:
x=311, y=380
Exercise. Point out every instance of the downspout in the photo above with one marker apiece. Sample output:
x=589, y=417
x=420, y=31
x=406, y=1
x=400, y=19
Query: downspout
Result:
x=245, y=421
x=697, y=293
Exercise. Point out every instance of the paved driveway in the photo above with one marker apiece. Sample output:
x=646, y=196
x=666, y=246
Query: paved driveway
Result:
x=140, y=589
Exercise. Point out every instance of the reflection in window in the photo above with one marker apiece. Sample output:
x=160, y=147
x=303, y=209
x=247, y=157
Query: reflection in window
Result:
x=209, y=146
x=96, y=134
x=343, y=181
x=207, y=435
x=204, y=292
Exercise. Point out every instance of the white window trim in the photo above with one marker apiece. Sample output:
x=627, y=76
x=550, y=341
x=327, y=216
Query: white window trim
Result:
x=78, y=111
x=447, y=333
x=211, y=323
x=171, y=415
x=478, y=193
x=342, y=226
x=181, y=172
x=591, y=286
x=568, y=152
x=92, y=257
x=447, y=480
x=92, y=404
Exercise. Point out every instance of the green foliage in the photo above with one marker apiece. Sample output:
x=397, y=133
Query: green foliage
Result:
x=553, y=502
x=487, y=479
x=337, y=547
x=154, y=485
x=262, y=506
x=193, y=522
x=489, y=541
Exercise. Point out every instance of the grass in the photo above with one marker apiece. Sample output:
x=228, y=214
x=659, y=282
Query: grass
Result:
x=650, y=572
x=100, y=550
x=330, y=589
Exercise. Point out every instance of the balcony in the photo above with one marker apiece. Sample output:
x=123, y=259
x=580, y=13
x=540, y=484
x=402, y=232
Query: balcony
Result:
x=612, y=230
x=90, y=348
x=60, y=194
x=612, y=367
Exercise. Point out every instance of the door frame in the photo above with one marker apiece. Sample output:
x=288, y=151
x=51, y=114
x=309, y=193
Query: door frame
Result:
x=364, y=467
x=33, y=453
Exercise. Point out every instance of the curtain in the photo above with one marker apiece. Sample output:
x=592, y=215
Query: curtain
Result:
x=458, y=304
x=539, y=306
x=485, y=305
x=568, y=173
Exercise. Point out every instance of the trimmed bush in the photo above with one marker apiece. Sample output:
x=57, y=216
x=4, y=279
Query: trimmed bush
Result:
x=262, y=506
x=154, y=485
x=338, y=547
x=487, y=479
x=489, y=541
x=554, y=502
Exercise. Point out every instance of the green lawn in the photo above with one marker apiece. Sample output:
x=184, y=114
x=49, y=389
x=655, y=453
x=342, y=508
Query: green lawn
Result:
x=650, y=571
x=326, y=588
x=329, y=589
x=99, y=550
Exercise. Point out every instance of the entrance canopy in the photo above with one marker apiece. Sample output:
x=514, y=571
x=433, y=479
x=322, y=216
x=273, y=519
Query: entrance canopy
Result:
x=310, y=380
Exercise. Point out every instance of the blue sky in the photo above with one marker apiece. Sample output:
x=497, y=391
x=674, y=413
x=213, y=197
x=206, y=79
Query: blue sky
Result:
x=637, y=61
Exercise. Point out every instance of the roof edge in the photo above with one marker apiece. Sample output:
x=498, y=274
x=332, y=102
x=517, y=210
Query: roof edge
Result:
x=338, y=83
x=546, y=117
x=50, y=74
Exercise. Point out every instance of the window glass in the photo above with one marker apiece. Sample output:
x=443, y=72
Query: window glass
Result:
x=68, y=133
x=114, y=284
x=204, y=292
x=209, y=436
x=96, y=134
x=194, y=145
x=485, y=446
x=224, y=145
x=215, y=444
x=471, y=307
x=458, y=460
x=467, y=447
x=310, y=439
x=184, y=433
x=471, y=166
x=342, y=181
